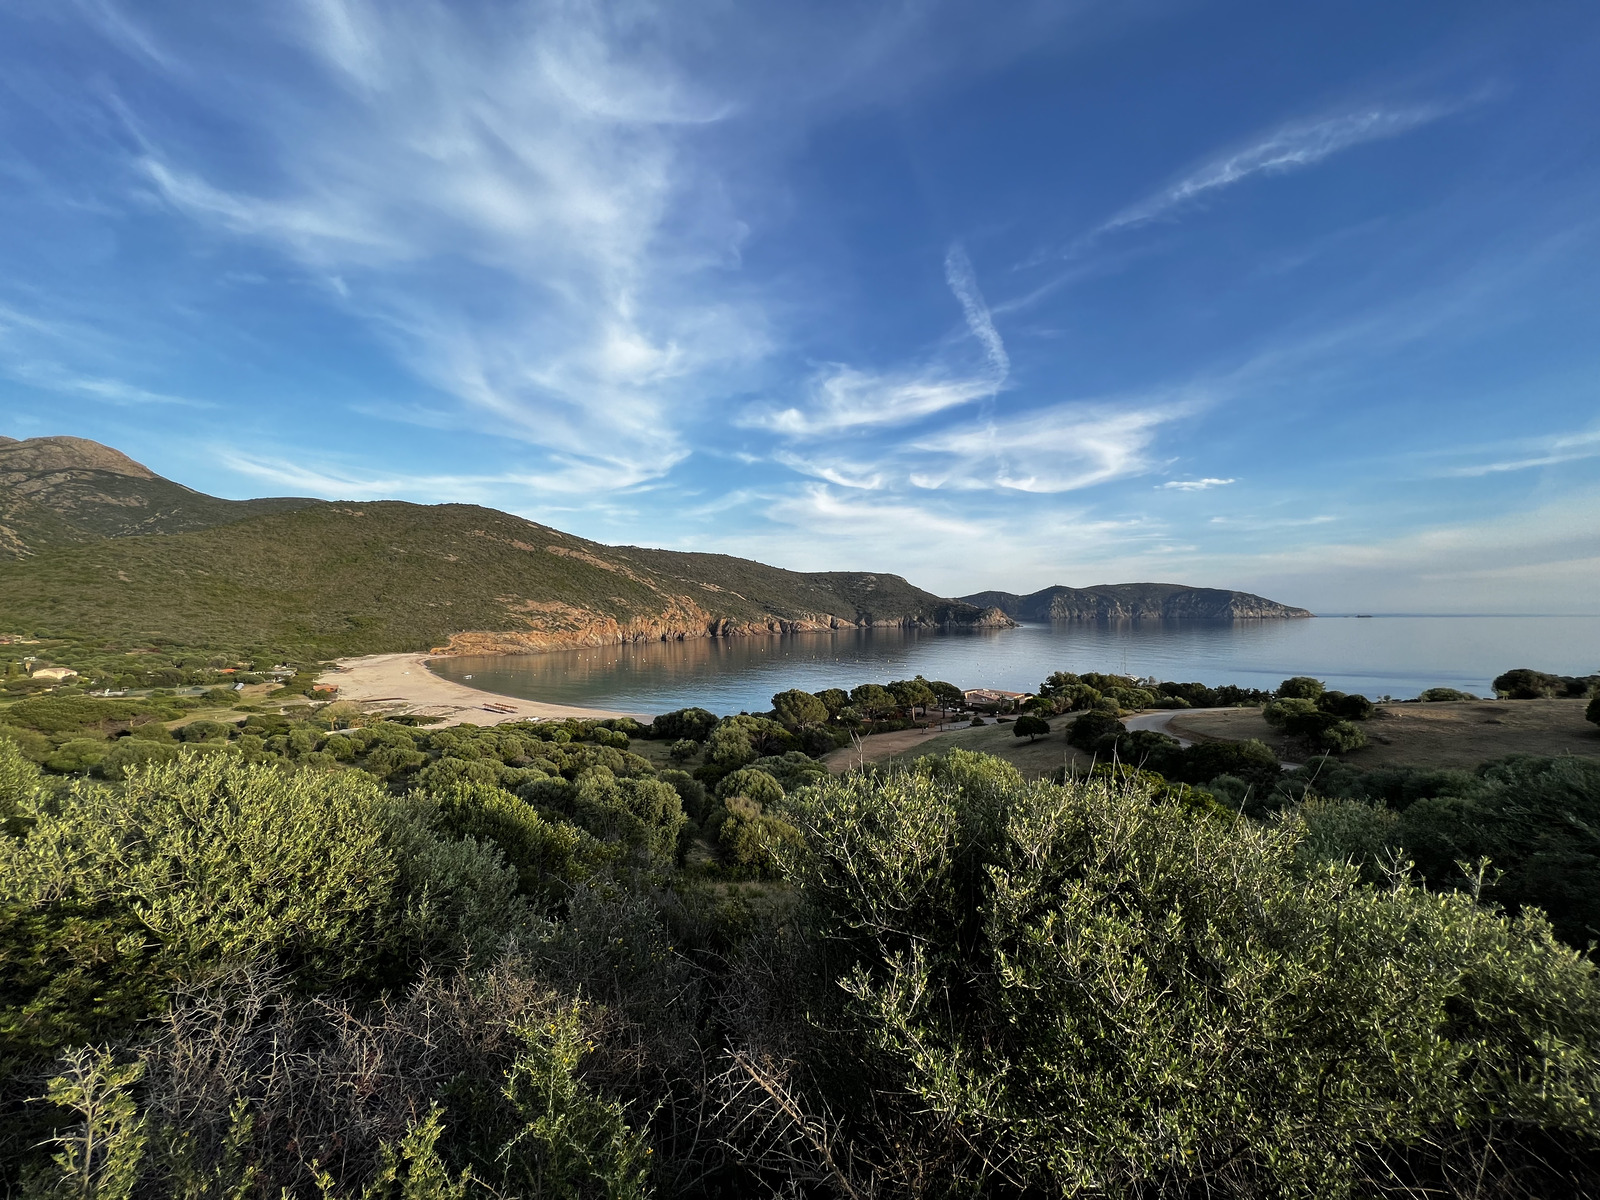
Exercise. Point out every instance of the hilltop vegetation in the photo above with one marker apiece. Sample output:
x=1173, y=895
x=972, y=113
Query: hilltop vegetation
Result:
x=63, y=490
x=103, y=548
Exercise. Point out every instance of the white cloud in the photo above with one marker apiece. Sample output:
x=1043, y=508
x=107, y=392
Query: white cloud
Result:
x=1195, y=485
x=1289, y=148
x=501, y=201
x=503, y=489
x=1545, y=452
x=843, y=398
x=1053, y=450
x=964, y=283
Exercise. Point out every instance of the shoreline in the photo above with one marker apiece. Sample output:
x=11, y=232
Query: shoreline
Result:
x=402, y=683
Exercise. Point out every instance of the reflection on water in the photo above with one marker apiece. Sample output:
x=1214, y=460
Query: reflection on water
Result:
x=1396, y=656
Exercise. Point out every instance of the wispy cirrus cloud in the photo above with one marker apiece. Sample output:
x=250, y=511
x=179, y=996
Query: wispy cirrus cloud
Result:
x=504, y=488
x=843, y=397
x=1288, y=148
x=1538, y=452
x=1194, y=485
x=1058, y=449
x=503, y=202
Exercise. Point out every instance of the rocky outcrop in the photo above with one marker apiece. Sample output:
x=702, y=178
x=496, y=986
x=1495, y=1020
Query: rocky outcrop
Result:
x=573, y=628
x=1137, y=602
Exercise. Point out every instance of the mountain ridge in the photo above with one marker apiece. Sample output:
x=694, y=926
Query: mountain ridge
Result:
x=344, y=577
x=99, y=492
x=1137, y=602
x=92, y=541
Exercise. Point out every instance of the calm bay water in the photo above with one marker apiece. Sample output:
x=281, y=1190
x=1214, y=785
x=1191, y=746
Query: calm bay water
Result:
x=1395, y=656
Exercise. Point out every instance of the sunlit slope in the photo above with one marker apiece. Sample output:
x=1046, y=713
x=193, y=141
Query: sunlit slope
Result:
x=371, y=577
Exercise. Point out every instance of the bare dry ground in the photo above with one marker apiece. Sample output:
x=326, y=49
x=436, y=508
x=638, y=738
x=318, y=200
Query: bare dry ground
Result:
x=1461, y=734
x=1034, y=759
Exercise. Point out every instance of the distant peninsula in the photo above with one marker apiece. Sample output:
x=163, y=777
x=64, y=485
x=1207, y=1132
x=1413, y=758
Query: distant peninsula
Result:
x=1134, y=602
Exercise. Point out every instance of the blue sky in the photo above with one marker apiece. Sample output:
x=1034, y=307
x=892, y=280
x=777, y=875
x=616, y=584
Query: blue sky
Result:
x=1303, y=299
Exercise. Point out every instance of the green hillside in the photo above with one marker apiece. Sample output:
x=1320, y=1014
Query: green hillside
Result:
x=57, y=491
x=389, y=576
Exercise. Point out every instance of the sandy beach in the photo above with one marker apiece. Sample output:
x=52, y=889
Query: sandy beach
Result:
x=402, y=683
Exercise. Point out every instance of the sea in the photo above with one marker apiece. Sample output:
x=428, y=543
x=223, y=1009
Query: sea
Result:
x=1383, y=655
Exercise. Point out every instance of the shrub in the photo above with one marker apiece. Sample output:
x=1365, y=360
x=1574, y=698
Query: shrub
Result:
x=204, y=731
x=1300, y=687
x=1151, y=750
x=1087, y=730
x=114, y=894
x=1535, y=819
x=1342, y=736
x=1523, y=683
x=1076, y=990
x=1347, y=707
x=549, y=857
x=129, y=754
x=695, y=724
x=753, y=839
x=1592, y=713
x=1279, y=713
x=1442, y=695
x=1250, y=760
x=691, y=792
x=753, y=785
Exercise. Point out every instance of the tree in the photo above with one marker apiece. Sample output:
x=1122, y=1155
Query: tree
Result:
x=948, y=695
x=912, y=694
x=873, y=700
x=1058, y=681
x=693, y=723
x=1300, y=687
x=834, y=699
x=1440, y=695
x=1030, y=727
x=1524, y=683
x=797, y=709
x=1592, y=713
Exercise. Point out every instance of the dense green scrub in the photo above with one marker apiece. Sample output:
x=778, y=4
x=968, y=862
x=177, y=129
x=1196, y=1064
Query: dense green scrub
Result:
x=283, y=976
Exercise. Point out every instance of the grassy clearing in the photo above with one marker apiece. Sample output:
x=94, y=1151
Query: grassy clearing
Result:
x=1461, y=734
x=1035, y=760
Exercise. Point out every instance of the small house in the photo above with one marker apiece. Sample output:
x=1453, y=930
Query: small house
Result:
x=993, y=699
x=54, y=673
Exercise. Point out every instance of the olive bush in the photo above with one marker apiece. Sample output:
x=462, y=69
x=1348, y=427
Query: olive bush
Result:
x=1083, y=989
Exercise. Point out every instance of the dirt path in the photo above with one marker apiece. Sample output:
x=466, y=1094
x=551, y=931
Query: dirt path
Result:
x=403, y=683
x=1160, y=721
x=881, y=746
